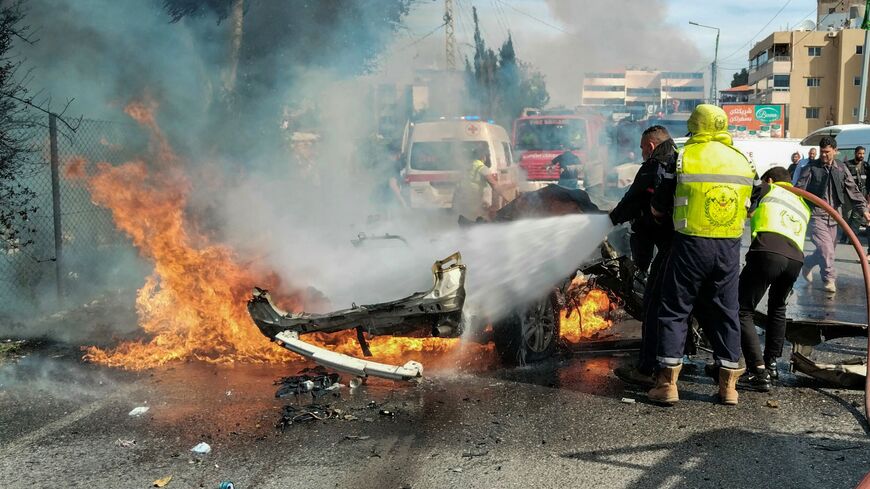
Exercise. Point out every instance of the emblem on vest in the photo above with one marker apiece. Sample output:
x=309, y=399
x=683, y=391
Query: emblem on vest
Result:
x=790, y=222
x=720, y=206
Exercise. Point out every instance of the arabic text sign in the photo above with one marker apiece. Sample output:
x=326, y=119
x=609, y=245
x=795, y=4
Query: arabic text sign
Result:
x=764, y=120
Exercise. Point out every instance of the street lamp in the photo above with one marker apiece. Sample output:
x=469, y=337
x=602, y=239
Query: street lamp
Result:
x=714, y=93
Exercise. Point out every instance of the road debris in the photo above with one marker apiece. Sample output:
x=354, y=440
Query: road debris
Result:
x=628, y=400
x=227, y=485
x=162, y=482
x=311, y=412
x=772, y=403
x=125, y=443
x=139, y=411
x=201, y=448
x=317, y=381
x=482, y=453
x=357, y=437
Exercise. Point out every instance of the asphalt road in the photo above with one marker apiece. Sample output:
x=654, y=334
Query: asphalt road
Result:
x=560, y=424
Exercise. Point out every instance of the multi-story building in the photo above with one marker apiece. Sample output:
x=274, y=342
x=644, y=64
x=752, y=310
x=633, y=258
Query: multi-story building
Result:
x=816, y=74
x=642, y=90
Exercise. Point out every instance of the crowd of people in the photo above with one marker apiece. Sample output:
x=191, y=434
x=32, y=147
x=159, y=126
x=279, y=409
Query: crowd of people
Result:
x=692, y=205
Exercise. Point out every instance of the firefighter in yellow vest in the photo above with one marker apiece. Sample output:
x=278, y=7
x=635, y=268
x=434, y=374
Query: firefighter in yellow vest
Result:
x=469, y=198
x=707, y=194
x=774, y=261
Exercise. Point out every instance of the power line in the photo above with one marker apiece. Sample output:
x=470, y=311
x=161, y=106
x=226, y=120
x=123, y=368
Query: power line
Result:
x=759, y=31
x=819, y=22
x=526, y=14
x=416, y=41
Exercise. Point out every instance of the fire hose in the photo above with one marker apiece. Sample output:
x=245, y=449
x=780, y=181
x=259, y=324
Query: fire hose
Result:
x=865, y=269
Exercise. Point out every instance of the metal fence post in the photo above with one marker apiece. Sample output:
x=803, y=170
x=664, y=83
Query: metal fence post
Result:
x=55, y=200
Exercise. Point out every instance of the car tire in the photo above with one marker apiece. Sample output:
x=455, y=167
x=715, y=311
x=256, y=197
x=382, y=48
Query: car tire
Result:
x=529, y=334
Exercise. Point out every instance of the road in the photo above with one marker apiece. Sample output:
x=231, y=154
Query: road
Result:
x=559, y=424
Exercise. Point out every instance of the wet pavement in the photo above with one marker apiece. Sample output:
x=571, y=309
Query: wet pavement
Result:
x=566, y=423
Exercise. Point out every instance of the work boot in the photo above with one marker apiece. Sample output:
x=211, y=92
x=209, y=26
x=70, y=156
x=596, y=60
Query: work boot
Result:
x=770, y=366
x=756, y=379
x=665, y=390
x=632, y=375
x=831, y=287
x=728, y=384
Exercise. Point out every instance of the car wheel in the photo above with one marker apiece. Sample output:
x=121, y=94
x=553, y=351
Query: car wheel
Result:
x=529, y=334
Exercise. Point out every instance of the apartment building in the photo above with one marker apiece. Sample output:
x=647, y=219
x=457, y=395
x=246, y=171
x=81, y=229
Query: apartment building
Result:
x=816, y=74
x=642, y=90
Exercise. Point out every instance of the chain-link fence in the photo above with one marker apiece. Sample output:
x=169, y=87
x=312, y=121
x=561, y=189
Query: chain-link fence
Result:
x=86, y=254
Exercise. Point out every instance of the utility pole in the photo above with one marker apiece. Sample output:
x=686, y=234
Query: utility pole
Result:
x=714, y=90
x=55, y=201
x=450, y=37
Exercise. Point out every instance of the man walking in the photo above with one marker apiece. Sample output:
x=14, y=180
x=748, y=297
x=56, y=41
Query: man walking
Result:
x=774, y=260
x=858, y=168
x=659, y=152
x=709, y=192
x=801, y=164
x=829, y=180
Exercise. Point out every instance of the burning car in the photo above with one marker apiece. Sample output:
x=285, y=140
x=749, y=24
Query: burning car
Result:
x=529, y=333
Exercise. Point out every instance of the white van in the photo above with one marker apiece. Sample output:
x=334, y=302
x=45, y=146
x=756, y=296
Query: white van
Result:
x=848, y=137
x=765, y=153
x=436, y=152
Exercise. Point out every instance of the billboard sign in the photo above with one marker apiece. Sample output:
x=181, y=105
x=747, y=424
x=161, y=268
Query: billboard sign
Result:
x=764, y=121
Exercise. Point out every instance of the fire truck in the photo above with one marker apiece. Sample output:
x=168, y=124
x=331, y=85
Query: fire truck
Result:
x=540, y=138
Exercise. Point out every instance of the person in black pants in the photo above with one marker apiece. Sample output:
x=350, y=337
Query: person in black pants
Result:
x=774, y=261
x=659, y=152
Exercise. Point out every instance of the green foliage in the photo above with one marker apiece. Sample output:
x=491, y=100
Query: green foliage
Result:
x=499, y=84
x=741, y=78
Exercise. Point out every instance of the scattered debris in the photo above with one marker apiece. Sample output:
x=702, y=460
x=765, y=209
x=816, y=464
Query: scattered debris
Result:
x=456, y=469
x=317, y=381
x=475, y=454
x=311, y=412
x=201, y=448
x=349, y=417
x=162, y=482
x=139, y=411
x=773, y=404
x=355, y=382
x=385, y=412
x=227, y=485
x=628, y=400
x=125, y=443
x=357, y=437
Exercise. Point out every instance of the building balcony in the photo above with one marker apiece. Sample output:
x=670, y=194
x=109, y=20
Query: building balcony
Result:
x=780, y=65
x=771, y=96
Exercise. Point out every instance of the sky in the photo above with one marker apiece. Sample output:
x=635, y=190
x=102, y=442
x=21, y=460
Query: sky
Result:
x=537, y=23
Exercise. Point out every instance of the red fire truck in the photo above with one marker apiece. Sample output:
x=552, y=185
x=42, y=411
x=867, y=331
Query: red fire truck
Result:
x=540, y=138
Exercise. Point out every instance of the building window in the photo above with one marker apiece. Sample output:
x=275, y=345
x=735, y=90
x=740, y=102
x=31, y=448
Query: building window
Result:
x=605, y=75
x=812, y=112
x=605, y=88
x=781, y=82
x=642, y=91
x=857, y=81
x=814, y=82
x=682, y=75
x=814, y=51
x=859, y=49
x=855, y=112
x=683, y=89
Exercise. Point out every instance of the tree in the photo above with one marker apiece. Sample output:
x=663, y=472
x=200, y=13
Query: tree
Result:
x=741, y=78
x=500, y=85
x=16, y=126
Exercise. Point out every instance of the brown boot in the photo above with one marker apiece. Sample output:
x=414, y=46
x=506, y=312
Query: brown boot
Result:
x=728, y=384
x=665, y=391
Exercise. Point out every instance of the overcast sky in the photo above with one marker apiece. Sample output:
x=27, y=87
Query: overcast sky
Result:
x=538, y=24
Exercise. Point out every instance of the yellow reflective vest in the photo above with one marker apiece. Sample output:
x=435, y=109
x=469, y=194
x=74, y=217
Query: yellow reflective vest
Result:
x=783, y=213
x=714, y=187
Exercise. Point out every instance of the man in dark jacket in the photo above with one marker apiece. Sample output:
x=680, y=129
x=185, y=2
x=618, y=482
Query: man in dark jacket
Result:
x=858, y=168
x=831, y=181
x=659, y=152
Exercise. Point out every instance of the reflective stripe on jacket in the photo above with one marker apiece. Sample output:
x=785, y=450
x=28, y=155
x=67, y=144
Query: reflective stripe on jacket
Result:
x=783, y=213
x=713, y=191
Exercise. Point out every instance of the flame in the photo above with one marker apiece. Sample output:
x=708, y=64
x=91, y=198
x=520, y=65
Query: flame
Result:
x=592, y=316
x=192, y=306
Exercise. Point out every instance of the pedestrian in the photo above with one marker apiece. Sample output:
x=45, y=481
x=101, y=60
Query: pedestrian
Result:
x=792, y=168
x=829, y=180
x=774, y=261
x=858, y=168
x=648, y=235
x=802, y=163
x=707, y=197
x=468, y=198
x=569, y=170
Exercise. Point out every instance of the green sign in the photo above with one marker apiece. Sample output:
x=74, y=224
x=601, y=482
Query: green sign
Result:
x=768, y=113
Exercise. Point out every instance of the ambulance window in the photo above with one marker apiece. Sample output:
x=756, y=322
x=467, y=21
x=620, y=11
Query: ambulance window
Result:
x=509, y=158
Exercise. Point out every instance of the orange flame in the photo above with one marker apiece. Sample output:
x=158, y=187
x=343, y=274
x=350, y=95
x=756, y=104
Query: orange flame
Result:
x=592, y=317
x=193, y=304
